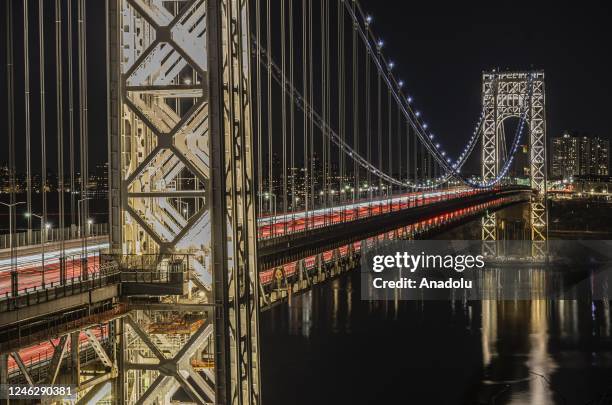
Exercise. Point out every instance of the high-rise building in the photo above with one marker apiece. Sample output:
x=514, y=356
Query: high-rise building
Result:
x=579, y=156
x=600, y=157
x=566, y=156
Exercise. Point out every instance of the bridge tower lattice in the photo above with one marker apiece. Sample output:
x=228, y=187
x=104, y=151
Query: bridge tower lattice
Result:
x=506, y=95
x=182, y=184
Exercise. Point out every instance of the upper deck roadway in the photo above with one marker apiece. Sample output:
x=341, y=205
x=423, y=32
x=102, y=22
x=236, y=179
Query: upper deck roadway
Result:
x=282, y=237
x=29, y=263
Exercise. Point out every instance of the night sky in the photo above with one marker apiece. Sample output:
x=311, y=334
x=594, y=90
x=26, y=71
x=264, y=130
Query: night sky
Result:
x=440, y=49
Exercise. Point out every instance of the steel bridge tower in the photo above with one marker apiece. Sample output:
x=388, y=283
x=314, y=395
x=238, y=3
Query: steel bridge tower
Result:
x=181, y=153
x=506, y=95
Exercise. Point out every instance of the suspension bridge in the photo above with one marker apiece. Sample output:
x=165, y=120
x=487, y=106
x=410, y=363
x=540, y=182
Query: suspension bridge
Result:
x=255, y=148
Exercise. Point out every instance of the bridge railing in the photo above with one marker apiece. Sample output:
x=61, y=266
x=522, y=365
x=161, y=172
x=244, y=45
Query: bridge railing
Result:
x=32, y=276
x=21, y=239
x=12, y=339
x=105, y=274
x=290, y=223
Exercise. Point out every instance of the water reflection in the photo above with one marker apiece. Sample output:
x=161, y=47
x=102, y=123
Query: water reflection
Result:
x=345, y=350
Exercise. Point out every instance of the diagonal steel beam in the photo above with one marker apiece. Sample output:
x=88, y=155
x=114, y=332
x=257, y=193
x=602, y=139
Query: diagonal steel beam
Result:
x=153, y=391
x=56, y=360
x=22, y=367
x=145, y=338
x=102, y=355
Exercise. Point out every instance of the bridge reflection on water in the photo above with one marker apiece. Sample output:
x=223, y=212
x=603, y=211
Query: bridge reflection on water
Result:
x=472, y=352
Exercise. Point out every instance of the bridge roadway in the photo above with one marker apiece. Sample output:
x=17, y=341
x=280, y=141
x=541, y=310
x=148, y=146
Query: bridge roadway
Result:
x=279, y=227
x=289, y=249
x=365, y=220
x=282, y=238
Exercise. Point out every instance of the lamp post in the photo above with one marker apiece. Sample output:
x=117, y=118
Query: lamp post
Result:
x=14, y=283
x=11, y=207
x=43, y=229
x=79, y=202
x=83, y=237
x=271, y=198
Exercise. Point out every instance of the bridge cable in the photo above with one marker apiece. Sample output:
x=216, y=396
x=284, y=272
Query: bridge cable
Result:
x=71, y=140
x=324, y=99
x=83, y=120
x=368, y=126
x=28, y=139
x=10, y=102
x=60, y=130
x=311, y=96
x=292, y=114
x=379, y=128
x=341, y=104
x=305, y=116
x=406, y=108
x=355, y=96
x=43, y=126
x=299, y=100
x=270, y=196
x=284, y=112
x=259, y=115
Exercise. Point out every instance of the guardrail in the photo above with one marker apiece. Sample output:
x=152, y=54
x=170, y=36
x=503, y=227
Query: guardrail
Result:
x=100, y=270
x=107, y=274
x=21, y=239
x=14, y=338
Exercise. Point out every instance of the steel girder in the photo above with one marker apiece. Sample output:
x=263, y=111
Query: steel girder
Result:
x=489, y=234
x=233, y=205
x=83, y=363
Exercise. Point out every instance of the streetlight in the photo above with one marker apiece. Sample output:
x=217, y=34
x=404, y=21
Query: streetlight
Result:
x=43, y=228
x=271, y=203
x=79, y=212
x=11, y=206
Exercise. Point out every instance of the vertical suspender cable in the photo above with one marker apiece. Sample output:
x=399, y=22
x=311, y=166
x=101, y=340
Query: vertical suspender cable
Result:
x=60, y=121
x=379, y=127
x=28, y=135
x=10, y=102
x=407, y=156
x=311, y=159
x=399, y=149
x=43, y=135
x=324, y=108
x=259, y=101
x=284, y=111
x=389, y=144
x=423, y=166
x=270, y=196
x=305, y=126
x=415, y=160
x=73, y=208
x=341, y=122
x=328, y=91
x=355, y=96
x=82, y=39
x=292, y=115
x=368, y=125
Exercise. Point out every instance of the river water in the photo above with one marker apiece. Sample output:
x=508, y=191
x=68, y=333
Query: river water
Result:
x=328, y=346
